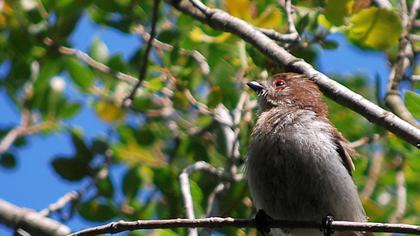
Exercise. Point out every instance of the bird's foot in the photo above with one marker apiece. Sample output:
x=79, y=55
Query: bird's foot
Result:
x=262, y=221
x=326, y=226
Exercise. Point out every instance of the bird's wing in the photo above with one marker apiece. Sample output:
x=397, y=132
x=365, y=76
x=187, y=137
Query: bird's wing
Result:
x=345, y=151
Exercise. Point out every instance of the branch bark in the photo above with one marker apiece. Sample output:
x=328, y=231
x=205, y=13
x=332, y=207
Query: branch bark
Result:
x=30, y=221
x=221, y=20
x=218, y=222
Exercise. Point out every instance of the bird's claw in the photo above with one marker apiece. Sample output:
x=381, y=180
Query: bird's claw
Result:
x=327, y=225
x=262, y=221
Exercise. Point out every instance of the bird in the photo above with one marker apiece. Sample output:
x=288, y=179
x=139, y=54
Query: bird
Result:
x=299, y=166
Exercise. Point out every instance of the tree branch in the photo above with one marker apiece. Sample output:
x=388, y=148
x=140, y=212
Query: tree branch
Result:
x=223, y=21
x=383, y=4
x=218, y=222
x=30, y=221
x=145, y=60
x=406, y=57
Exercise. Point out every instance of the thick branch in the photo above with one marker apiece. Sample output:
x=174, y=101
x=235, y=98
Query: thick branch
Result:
x=218, y=222
x=223, y=21
x=31, y=221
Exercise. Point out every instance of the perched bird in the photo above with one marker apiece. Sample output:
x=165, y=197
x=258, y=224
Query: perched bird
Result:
x=299, y=166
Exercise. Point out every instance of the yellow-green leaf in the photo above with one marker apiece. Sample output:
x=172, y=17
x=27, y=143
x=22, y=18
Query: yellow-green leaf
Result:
x=412, y=101
x=239, y=8
x=375, y=28
x=215, y=97
x=134, y=154
x=337, y=10
x=323, y=21
x=108, y=111
x=154, y=84
x=270, y=18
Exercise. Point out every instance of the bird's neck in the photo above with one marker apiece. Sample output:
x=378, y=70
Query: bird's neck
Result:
x=276, y=119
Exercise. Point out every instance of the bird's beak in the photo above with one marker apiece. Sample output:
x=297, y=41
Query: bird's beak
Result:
x=257, y=87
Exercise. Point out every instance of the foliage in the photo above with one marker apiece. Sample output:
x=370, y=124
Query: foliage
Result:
x=172, y=122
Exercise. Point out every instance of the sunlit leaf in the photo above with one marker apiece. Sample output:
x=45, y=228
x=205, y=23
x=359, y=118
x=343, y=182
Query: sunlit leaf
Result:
x=135, y=154
x=412, y=101
x=164, y=232
x=337, y=10
x=270, y=18
x=239, y=8
x=155, y=84
x=199, y=35
x=99, y=50
x=370, y=28
x=109, y=111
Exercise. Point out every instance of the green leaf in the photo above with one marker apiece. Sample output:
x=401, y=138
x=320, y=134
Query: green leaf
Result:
x=8, y=160
x=72, y=169
x=82, y=76
x=336, y=10
x=329, y=44
x=99, y=145
x=106, y=187
x=375, y=28
x=180, y=100
x=197, y=195
x=155, y=84
x=131, y=182
x=215, y=97
x=412, y=101
x=98, y=50
x=82, y=150
x=96, y=211
x=68, y=110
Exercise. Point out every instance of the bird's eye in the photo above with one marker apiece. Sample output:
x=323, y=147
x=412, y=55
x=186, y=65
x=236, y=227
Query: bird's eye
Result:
x=279, y=84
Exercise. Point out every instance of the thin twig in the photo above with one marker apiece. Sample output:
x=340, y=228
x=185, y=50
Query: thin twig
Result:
x=204, y=66
x=73, y=196
x=186, y=189
x=145, y=59
x=365, y=140
x=415, y=7
x=415, y=37
x=415, y=78
x=213, y=200
x=401, y=194
x=374, y=171
x=289, y=13
x=91, y=62
x=218, y=222
x=274, y=35
x=22, y=130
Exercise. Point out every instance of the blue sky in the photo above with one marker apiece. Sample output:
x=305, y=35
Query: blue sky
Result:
x=33, y=184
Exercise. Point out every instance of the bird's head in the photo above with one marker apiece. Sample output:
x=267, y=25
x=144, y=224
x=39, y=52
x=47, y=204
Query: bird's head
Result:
x=288, y=91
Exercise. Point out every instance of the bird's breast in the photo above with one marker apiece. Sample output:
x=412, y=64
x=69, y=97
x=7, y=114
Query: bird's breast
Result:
x=295, y=172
